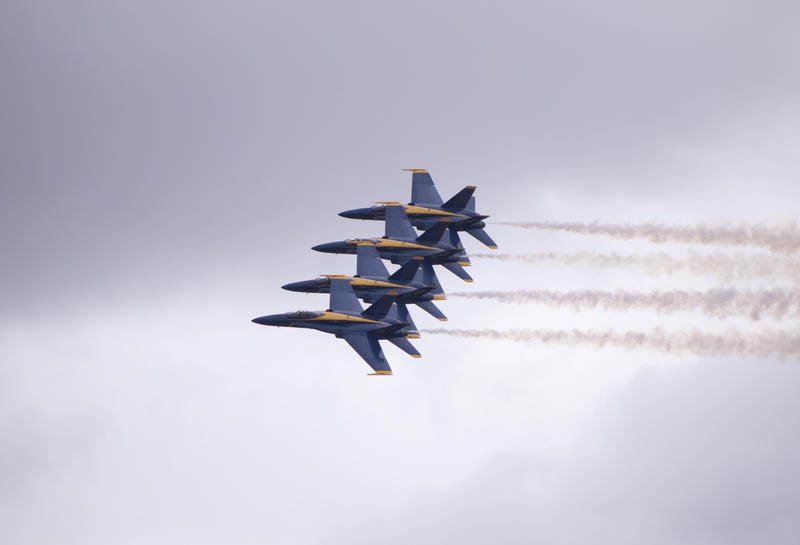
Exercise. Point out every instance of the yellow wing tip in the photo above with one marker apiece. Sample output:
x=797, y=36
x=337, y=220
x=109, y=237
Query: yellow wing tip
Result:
x=418, y=170
x=412, y=336
x=471, y=187
x=442, y=319
x=464, y=263
x=377, y=373
x=493, y=247
x=468, y=280
x=439, y=297
x=416, y=355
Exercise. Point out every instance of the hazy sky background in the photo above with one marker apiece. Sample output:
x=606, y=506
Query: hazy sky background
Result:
x=166, y=166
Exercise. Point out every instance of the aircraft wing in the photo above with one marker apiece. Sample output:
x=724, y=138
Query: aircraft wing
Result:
x=369, y=348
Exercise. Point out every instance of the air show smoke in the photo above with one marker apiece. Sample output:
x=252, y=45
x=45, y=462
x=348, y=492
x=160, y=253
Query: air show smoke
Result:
x=725, y=267
x=731, y=343
x=784, y=239
x=717, y=303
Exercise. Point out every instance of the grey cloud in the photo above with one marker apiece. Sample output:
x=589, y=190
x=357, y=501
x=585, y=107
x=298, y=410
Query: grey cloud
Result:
x=164, y=167
x=699, y=454
x=152, y=139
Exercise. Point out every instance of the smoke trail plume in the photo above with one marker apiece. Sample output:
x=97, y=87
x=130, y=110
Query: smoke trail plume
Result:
x=777, y=238
x=726, y=267
x=732, y=343
x=718, y=303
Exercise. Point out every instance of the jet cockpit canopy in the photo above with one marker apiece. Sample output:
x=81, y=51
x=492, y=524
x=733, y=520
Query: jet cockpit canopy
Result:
x=303, y=314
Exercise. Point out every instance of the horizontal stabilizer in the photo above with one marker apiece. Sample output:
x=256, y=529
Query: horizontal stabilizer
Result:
x=397, y=224
x=483, y=236
x=460, y=200
x=406, y=346
x=422, y=189
x=381, y=307
x=369, y=263
x=431, y=309
x=457, y=270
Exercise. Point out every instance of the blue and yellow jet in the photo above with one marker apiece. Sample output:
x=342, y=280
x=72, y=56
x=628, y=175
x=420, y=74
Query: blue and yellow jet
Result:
x=415, y=282
x=427, y=208
x=439, y=245
x=362, y=329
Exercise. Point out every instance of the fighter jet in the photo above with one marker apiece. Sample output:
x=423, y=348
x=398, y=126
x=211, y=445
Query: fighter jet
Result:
x=415, y=282
x=426, y=208
x=362, y=329
x=439, y=245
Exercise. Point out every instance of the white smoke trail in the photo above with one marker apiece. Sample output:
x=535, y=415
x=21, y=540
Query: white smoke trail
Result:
x=725, y=267
x=718, y=303
x=731, y=343
x=784, y=238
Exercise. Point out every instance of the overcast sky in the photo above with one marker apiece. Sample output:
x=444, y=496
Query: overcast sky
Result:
x=166, y=166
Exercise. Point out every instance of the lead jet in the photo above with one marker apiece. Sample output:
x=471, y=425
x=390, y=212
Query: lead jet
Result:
x=427, y=208
x=415, y=282
x=439, y=245
x=362, y=329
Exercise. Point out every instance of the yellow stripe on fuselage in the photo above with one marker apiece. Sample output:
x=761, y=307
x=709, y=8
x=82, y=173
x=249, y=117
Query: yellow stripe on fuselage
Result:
x=414, y=210
x=328, y=316
x=374, y=283
x=364, y=281
x=389, y=243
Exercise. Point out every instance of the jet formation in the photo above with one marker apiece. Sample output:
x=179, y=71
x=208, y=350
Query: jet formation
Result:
x=414, y=283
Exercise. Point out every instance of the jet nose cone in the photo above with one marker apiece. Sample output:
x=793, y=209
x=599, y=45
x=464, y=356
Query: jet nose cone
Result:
x=352, y=214
x=272, y=319
x=359, y=213
x=305, y=286
x=293, y=286
x=328, y=247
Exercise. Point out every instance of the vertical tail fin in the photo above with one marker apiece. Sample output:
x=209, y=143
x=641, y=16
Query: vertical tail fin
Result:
x=423, y=191
x=382, y=306
x=455, y=242
x=400, y=313
x=407, y=272
x=368, y=262
x=460, y=200
x=433, y=234
x=397, y=224
x=343, y=297
x=429, y=278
